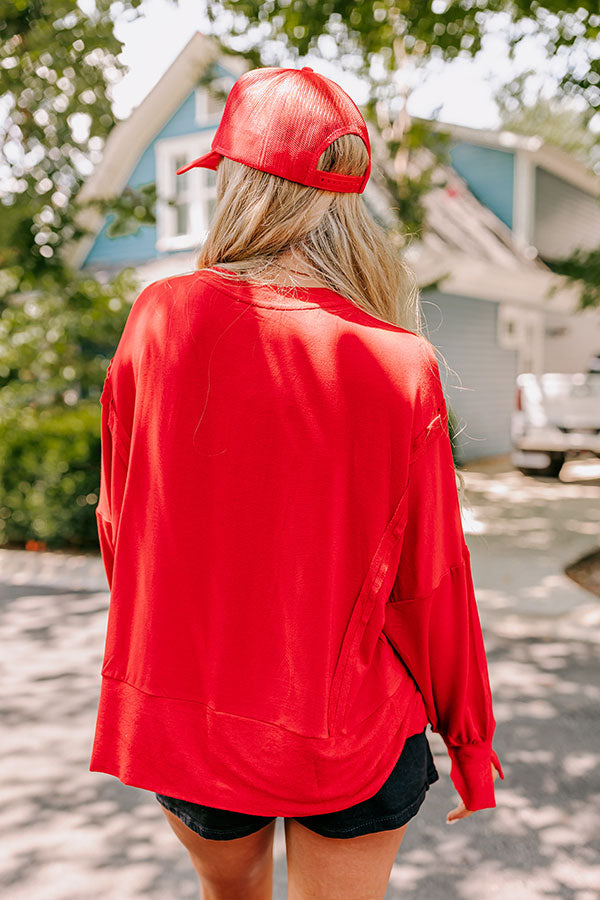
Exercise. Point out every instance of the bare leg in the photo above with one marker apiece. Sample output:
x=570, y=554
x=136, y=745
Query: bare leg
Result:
x=230, y=870
x=321, y=868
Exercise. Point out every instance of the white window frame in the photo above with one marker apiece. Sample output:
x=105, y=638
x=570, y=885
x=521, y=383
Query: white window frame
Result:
x=203, y=115
x=167, y=151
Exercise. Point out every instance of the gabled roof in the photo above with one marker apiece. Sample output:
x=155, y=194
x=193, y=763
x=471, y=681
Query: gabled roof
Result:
x=465, y=247
x=129, y=138
x=544, y=154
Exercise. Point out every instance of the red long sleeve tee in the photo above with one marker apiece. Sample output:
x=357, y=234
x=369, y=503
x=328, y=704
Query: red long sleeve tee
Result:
x=290, y=589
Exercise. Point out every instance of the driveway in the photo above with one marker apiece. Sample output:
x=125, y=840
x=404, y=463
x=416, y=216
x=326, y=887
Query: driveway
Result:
x=68, y=833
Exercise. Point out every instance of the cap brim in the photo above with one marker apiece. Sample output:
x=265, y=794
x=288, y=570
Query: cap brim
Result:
x=208, y=161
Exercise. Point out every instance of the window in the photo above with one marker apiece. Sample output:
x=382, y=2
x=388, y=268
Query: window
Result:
x=208, y=108
x=185, y=202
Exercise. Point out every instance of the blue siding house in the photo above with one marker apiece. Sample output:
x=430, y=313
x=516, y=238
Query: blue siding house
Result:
x=549, y=201
x=494, y=219
x=475, y=163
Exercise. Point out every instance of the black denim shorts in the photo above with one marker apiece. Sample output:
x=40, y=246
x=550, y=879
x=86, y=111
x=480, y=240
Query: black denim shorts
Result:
x=392, y=806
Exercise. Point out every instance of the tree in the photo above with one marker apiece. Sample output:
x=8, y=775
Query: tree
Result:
x=557, y=121
x=376, y=39
x=57, y=326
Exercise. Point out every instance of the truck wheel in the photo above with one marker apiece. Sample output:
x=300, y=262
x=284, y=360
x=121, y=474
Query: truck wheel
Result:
x=557, y=461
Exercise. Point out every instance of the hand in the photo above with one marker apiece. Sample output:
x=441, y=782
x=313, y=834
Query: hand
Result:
x=461, y=811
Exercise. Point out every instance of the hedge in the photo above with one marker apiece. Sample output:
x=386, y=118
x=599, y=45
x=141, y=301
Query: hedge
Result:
x=50, y=476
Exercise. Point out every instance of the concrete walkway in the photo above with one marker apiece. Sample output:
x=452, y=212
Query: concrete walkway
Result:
x=69, y=834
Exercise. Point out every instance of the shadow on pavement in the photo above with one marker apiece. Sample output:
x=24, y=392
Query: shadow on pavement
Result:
x=70, y=834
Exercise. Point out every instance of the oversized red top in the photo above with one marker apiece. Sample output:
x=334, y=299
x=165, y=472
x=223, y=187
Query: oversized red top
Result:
x=291, y=591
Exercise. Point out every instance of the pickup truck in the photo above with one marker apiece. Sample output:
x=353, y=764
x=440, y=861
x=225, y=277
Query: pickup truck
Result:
x=556, y=416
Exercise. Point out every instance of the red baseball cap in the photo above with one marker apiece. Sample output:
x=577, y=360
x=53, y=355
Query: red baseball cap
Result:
x=280, y=121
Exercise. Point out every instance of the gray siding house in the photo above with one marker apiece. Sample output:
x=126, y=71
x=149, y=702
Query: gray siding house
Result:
x=550, y=202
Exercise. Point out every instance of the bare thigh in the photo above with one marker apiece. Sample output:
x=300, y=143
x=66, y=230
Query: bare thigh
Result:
x=229, y=870
x=321, y=868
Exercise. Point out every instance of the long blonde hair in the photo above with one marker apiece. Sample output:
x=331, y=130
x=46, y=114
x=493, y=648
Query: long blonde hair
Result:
x=259, y=217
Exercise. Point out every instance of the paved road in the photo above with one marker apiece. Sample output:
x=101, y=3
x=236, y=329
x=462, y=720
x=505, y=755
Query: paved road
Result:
x=68, y=834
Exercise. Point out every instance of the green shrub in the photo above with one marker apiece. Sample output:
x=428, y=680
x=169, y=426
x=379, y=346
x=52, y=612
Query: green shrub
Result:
x=50, y=476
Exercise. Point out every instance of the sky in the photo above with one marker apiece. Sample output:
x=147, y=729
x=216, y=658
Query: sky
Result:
x=460, y=91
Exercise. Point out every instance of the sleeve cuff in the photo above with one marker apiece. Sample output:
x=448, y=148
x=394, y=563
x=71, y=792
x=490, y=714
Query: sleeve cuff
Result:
x=471, y=774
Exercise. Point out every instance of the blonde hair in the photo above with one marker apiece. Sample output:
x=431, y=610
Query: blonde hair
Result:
x=259, y=217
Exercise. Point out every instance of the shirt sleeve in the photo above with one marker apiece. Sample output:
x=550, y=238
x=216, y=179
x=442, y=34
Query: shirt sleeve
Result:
x=114, y=456
x=431, y=616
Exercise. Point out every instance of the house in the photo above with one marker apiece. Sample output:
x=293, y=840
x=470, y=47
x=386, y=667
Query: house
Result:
x=483, y=285
x=549, y=200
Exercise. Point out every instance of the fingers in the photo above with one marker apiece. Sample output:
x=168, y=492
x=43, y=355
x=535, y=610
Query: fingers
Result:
x=459, y=812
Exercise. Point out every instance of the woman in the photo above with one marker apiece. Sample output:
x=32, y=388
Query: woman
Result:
x=291, y=592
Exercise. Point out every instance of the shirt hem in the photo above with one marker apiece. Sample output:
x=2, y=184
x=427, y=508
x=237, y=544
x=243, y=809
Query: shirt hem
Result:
x=183, y=749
